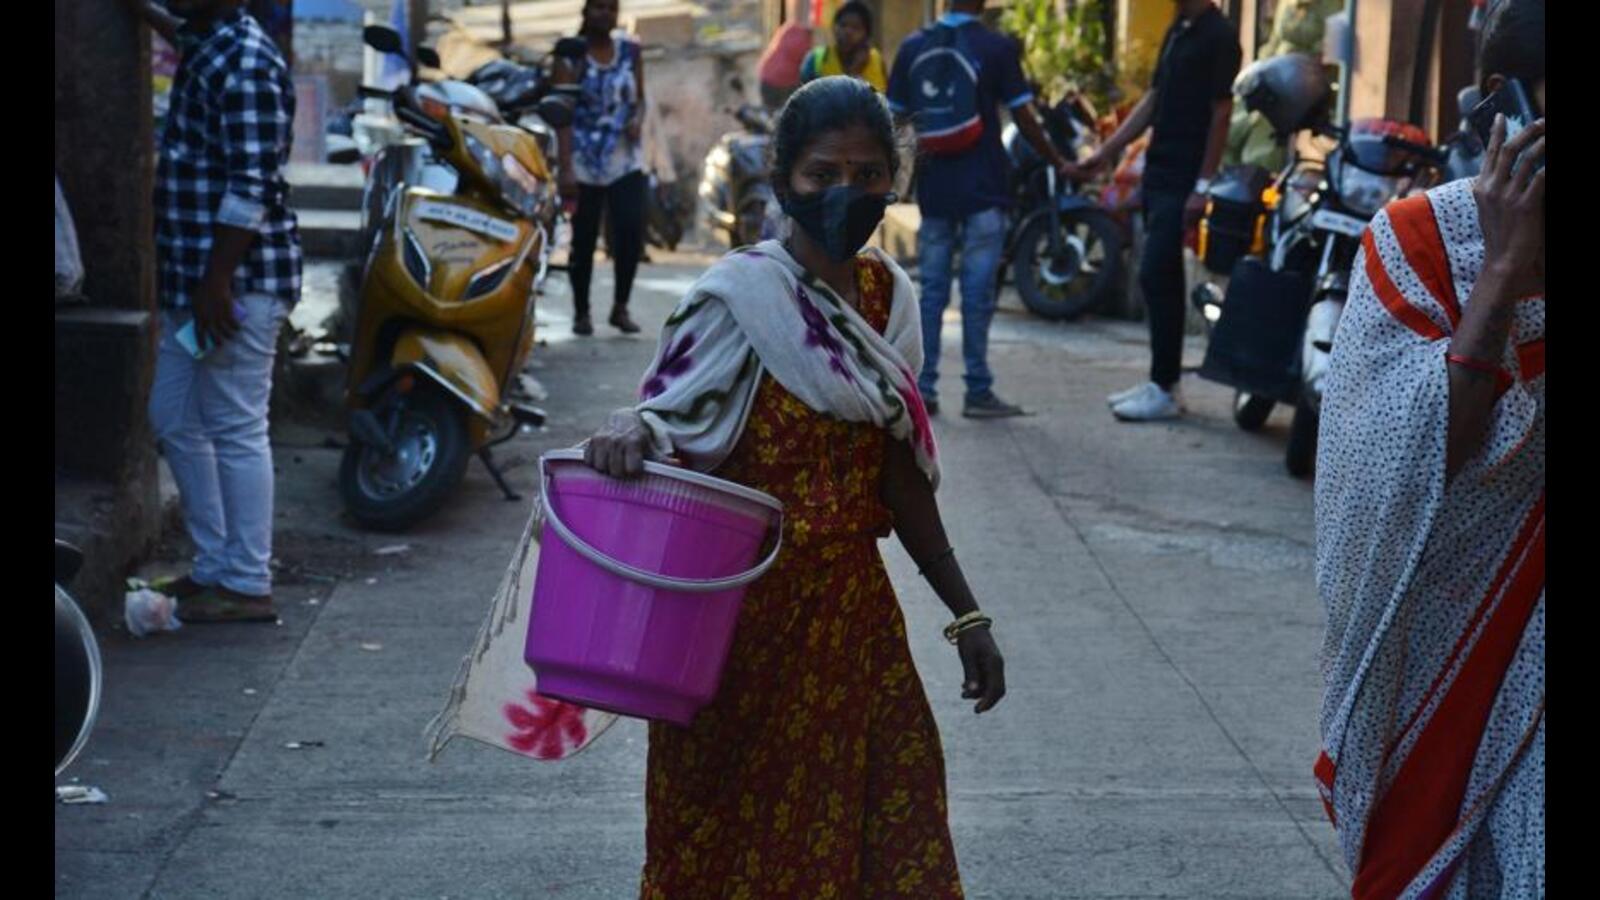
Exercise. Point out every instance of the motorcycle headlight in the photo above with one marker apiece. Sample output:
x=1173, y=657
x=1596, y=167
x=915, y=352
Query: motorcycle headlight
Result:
x=485, y=159
x=518, y=187
x=1364, y=193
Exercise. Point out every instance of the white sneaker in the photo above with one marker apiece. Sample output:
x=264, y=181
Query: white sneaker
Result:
x=1148, y=404
x=1128, y=394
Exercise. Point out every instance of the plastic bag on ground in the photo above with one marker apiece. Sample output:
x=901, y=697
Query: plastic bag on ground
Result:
x=146, y=611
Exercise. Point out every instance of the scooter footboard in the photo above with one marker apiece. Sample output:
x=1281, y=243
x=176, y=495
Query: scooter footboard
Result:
x=1256, y=344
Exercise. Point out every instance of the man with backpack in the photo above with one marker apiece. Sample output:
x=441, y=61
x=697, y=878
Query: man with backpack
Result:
x=949, y=80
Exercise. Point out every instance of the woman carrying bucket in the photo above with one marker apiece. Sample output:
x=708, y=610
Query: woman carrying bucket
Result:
x=790, y=368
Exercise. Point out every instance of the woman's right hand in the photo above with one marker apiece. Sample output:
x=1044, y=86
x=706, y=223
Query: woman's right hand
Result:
x=1510, y=198
x=567, y=184
x=620, y=446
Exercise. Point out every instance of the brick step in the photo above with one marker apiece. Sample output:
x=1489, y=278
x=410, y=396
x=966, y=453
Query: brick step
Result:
x=330, y=233
x=324, y=186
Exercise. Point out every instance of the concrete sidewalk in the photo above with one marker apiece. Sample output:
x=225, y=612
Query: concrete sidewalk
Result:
x=1153, y=597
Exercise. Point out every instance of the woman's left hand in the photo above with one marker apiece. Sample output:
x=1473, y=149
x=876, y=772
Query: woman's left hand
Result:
x=635, y=129
x=984, y=669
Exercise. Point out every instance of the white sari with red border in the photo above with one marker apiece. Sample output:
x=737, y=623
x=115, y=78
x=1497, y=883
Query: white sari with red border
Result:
x=1433, y=709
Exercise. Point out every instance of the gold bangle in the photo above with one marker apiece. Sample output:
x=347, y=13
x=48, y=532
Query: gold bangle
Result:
x=974, y=619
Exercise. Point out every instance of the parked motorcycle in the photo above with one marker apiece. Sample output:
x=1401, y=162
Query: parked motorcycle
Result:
x=736, y=196
x=1063, y=249
x=1274, y=328
x=663, y=215
x=447, y=308
x=78, y=670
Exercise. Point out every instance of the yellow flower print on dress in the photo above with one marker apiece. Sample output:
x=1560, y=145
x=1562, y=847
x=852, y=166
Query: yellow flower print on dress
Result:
x=781, y=760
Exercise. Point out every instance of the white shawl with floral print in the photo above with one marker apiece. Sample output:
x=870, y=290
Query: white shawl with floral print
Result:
x=755, y=311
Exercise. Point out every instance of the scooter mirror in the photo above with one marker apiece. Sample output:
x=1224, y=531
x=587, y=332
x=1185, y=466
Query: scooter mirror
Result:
x=428, y=56
x=383, y=39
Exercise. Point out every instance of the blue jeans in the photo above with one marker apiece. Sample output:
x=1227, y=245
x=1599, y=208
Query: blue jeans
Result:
x=210, y=416
x=982, y=238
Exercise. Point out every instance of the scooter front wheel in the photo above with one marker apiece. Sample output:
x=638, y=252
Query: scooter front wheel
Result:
x=1250, y=411
x=392, y=490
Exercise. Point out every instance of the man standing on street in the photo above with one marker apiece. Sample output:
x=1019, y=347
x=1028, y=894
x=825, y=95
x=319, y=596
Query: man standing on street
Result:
x=949, y=80
x=1188, y=107
x=229, y=264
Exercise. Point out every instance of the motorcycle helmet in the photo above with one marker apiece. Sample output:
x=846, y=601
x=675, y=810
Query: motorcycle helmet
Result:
x=1367, y=148
x=1290, y=91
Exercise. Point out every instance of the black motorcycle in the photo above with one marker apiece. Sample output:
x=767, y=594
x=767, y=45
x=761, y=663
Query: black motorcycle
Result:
x=736, y=198
x=78, y=670
x=1063, y=250
x=663, y=215
x=1275, y=325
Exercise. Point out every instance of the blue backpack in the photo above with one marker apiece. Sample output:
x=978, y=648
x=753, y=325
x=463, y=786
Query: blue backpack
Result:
x=944, y=87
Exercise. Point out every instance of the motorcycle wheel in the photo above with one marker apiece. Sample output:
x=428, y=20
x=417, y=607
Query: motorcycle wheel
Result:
x=1301, y=456
x=1096, y=266
x=78, y=679
x=395, y=492
x=1250, y=412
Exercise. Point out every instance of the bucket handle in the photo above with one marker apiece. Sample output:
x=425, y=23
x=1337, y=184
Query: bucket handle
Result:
x=619, y=568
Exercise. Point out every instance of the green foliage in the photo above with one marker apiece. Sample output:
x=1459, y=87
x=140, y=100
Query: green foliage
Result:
x=1064, y=46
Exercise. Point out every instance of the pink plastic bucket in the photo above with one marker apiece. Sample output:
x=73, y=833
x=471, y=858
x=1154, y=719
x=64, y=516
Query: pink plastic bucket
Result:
x=639, y=583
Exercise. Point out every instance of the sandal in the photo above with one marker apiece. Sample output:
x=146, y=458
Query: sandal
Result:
x=220, y=605
x=179, y=587
x=623, y=322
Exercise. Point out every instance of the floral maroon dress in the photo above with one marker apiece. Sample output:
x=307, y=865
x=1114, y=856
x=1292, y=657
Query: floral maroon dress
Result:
x=817, y=771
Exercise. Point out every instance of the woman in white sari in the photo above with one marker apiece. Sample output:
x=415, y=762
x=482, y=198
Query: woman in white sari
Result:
x=1430, y=526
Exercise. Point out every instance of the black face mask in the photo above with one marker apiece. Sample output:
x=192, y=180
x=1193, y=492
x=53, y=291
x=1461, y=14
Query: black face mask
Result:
x=840, y=219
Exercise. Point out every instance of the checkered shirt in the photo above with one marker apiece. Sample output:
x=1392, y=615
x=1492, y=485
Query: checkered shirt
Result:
x=227, y=139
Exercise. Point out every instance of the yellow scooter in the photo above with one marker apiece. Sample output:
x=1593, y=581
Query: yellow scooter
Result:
x=447, y=313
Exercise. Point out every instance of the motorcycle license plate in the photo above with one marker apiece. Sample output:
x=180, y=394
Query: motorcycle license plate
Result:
x=470, y=219
x=1339, y=223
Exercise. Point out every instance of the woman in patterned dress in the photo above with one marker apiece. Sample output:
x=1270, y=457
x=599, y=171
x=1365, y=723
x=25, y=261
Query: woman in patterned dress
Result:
x=604, y=167
x=1430, y=525
x=817, y=771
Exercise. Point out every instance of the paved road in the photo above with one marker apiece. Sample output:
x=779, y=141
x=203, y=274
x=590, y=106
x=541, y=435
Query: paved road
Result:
x=1152, y=587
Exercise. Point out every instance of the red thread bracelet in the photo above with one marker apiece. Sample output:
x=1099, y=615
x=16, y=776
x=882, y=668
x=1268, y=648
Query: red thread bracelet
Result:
x=1467, y=362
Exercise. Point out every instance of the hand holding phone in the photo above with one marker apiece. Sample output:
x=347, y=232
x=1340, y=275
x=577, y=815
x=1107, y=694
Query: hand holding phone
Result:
x=192, y=339
x=1509, y=194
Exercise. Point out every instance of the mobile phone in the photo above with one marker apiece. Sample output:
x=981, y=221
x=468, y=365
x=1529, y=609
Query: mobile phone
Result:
x=191, y=340
x=1512, y=101
x=198, y=345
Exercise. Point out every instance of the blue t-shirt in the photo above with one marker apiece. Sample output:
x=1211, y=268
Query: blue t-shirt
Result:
x=971, y=182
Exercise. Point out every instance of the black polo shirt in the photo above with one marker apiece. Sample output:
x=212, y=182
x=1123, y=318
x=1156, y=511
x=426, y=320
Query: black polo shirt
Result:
x=1199, y=60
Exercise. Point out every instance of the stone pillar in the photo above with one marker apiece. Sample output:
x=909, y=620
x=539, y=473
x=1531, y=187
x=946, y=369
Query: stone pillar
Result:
x=104, y=152
x=105, y=352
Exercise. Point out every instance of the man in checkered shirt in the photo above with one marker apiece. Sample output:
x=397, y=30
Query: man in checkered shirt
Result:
x=229, y=262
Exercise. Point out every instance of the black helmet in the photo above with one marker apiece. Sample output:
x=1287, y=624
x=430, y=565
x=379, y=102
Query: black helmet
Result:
x=1290, y=91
